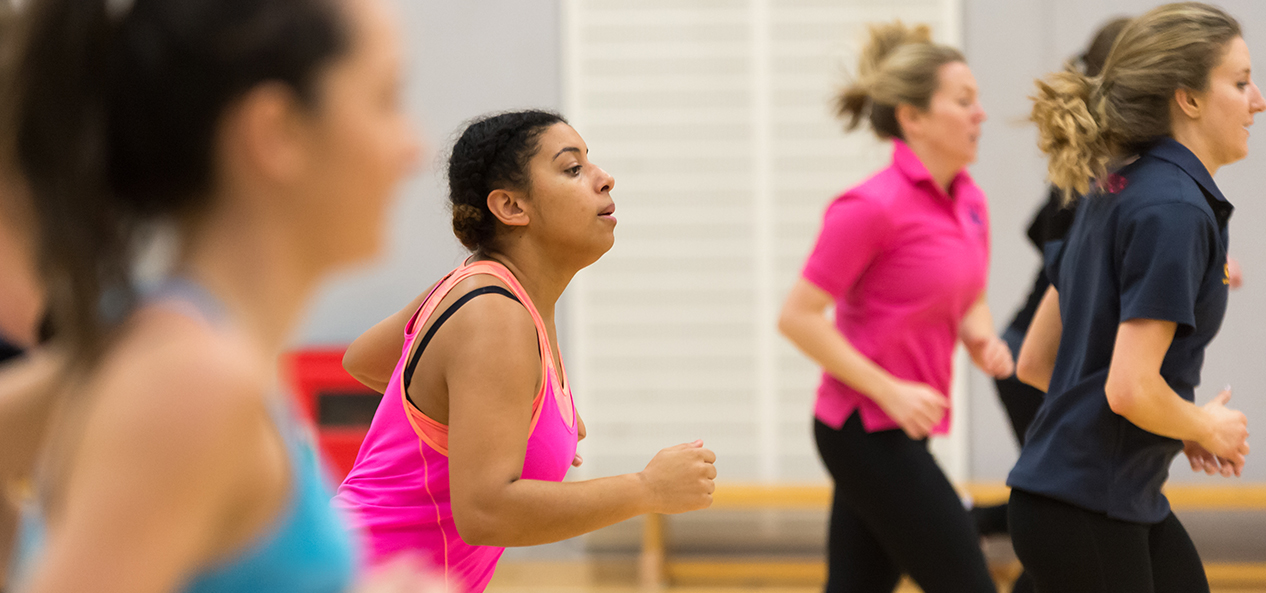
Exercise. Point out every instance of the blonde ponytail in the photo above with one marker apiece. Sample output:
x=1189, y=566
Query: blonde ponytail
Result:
x=1070, y=132
x=898, y=64
x=1085, y=123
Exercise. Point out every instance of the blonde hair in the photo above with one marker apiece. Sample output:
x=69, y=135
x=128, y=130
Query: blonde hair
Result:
x=899, y=64
x=1086, y=122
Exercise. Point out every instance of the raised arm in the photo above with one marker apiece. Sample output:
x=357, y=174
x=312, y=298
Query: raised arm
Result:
x=916, y=407
x=1036, y=362
x=490, y=354
x=372, y=357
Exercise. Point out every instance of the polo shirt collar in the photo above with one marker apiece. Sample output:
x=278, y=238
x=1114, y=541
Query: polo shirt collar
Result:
x=1173, y=151
x=909, y=164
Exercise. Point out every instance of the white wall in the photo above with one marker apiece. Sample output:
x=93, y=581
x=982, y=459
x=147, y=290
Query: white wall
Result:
x=463, y=59
x=468, y=58
x=1010, y=43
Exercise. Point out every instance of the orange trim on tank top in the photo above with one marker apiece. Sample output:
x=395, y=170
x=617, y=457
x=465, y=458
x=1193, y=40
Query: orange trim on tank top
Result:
x=435, y=434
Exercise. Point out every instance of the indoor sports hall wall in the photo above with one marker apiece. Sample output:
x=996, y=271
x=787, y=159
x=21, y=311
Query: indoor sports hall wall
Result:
x=713, y=116
x=462, y=59
x=1009, y=44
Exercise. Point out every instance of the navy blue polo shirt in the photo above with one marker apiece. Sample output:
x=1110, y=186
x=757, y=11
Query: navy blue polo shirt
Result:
x=1151, y=245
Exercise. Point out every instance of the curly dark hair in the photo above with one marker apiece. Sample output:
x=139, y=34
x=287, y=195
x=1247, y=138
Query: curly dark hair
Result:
x=492, y=153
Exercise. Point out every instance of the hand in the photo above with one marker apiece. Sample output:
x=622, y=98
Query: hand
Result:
x=1228, y=430
x=679, y=479
x=993, y=356
x=580, y=436
x=916, y=407
x=1202, y=460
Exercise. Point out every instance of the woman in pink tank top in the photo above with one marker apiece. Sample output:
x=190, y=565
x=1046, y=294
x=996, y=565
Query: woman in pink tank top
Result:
x=476, y=430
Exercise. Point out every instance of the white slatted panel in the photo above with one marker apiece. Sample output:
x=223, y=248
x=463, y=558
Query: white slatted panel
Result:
x=714, y=117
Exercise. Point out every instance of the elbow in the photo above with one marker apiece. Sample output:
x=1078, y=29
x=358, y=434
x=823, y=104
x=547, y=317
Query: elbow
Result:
x=789, y=323
x=475, y=526
x=1032, y=373
x=352, y=365
x=785, y=324
x=480, y=523
x=1123, y=396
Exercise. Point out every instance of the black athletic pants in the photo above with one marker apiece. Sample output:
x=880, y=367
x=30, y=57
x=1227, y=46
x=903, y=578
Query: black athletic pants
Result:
x=1067, y=549
x=895, y=512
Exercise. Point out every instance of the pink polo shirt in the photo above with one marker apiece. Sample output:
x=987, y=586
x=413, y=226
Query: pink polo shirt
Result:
x=904, y=263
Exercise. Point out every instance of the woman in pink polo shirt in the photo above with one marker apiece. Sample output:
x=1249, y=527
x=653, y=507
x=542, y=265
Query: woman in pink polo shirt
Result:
x=902, y=258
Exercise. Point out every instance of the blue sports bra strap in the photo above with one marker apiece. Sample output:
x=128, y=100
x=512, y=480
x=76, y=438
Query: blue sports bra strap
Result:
x=426, y=339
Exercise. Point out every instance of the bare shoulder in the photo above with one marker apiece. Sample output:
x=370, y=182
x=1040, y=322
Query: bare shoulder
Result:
x=177, y=387
x=490, y=317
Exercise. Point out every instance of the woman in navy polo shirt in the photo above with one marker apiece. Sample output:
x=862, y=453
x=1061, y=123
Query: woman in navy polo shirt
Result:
x=1139, y=288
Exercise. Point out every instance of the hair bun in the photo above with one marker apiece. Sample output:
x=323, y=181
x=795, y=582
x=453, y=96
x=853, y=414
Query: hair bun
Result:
x=467, y=224
x=884, y=39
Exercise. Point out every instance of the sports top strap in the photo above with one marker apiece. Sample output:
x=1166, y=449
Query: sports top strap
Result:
x=466, y=298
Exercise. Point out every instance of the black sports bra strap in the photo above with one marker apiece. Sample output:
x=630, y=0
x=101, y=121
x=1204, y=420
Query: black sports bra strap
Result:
x=417, y=353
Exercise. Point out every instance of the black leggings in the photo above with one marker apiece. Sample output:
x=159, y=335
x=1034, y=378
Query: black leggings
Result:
x=1067, y=549
x=895, y=512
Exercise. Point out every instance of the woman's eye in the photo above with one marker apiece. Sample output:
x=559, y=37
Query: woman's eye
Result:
x=574, y=171
x=1241, y=85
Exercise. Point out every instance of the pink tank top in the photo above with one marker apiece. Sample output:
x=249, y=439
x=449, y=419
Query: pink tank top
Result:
x=398, y=488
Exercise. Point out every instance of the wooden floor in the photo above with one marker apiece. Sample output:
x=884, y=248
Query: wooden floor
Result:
x=585, y=577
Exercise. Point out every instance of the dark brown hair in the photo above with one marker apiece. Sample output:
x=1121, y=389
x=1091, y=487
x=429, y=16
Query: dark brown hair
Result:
x=117, y=105
x=492, y=153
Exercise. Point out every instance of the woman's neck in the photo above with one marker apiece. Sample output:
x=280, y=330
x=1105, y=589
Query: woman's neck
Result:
x=1190, y=137
x=542, y=276
x=258, y=269
x=942, y=169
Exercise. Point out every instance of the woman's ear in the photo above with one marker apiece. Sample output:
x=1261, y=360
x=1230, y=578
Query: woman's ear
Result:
x=909, y=118
x=1189, y=102
x=509, y=206
x=265, y=138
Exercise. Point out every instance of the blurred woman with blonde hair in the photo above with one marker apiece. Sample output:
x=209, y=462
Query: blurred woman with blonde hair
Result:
x=903, y=258
x=1139, y=289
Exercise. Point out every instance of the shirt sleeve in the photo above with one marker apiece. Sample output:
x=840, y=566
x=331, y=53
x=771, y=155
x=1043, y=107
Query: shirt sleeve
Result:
x=853, y=233
x=1164, y=253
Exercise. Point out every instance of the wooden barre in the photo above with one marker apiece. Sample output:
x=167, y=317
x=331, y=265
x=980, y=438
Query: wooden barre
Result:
x=804, y=496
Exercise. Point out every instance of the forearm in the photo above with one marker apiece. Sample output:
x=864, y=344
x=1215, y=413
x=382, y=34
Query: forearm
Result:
x=977, y=325
x=534, y=512
x=1149, y=403
x=817, y=337
x=1036, y=362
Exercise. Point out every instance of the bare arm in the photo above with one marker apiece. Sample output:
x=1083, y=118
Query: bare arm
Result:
x=988, y=351
x=489, y=417
x=159, y=486
x=372, y=357
x=1136, y=390
x=916, y=407
x=1037, y=355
